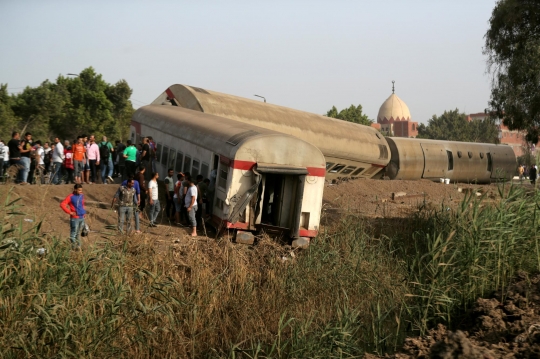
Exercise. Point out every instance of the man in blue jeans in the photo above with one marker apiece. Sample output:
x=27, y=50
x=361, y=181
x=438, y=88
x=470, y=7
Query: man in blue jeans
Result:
x=25, y=149
x=57, y=160
x=107, y=166
x=74, y=206
x=125, y=197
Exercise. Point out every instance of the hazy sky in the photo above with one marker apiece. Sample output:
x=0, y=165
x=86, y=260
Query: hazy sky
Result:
x=307, y=55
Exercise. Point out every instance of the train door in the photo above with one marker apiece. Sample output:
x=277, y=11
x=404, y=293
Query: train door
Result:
x=438, y=162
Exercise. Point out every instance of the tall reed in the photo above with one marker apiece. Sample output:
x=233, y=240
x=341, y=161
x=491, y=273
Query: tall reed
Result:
x=361, y=286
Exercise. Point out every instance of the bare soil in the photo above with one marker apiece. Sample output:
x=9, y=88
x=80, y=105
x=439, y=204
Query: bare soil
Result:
x=497, y=327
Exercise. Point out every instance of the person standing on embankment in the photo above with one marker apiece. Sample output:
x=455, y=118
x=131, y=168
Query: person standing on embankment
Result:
x=74, y=206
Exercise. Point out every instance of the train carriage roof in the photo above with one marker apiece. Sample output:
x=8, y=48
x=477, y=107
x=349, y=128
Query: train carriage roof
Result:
x=223, y=135
x=334, y=137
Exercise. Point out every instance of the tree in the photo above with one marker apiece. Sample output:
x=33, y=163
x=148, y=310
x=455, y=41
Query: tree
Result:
x=512, y=44
x=351, y=114
x=8, y=120
x=69, y=107
x=453, y=126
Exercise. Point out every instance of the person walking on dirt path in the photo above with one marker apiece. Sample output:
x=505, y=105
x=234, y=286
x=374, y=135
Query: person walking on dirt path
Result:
x=153, y=199
x=191, y=205
x=74, y=205
x=57, y=160
x=106, y=151
x=125, y=197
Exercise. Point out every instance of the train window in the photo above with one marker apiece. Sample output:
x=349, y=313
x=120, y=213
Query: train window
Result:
x=165, y=156
x=489, y=164
x=450, y=160
x=329, y=165
x=337, y=168
x=459, y=154
x=195, y=168
x=223, y=173
x=219, y=203
x=187, y=164
x=172, y=158
x=357, y=172
x=348, y=170
x=204, y=170
x=482, y=155
x=216, y=162
x=470, y=154
x=179, y=160
x=158, y=152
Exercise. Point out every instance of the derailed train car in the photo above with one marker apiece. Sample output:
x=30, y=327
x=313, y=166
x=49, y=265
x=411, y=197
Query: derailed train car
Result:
x=469, y=162
x=264, y=179
x=353, y=150
x=350, y=150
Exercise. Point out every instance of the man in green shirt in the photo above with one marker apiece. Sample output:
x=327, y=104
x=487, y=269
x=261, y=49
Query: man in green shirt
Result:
x=130, y=154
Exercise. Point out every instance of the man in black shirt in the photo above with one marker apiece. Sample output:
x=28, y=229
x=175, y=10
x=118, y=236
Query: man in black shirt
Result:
x=145, y=159
x=14, y=150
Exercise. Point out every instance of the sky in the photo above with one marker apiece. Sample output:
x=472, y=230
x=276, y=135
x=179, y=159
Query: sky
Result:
x=308, y=55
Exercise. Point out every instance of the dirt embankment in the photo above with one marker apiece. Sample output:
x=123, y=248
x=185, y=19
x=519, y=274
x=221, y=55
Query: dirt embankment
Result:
x=497, y=327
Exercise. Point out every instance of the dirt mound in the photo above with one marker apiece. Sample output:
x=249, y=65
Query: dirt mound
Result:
x=396, y=199
x=500, y=327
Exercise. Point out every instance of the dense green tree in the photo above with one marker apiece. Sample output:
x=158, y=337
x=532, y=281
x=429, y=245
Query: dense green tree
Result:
x=453, y=126
x=69, y=107
x=512, y=44
x=8, y=120
x=351, y=114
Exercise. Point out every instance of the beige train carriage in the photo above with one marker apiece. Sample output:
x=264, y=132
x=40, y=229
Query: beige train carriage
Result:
x=413, y=158
x=263, y=179
x=350, y=149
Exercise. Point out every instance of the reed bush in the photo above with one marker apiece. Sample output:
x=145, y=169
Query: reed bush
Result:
x=354, y=290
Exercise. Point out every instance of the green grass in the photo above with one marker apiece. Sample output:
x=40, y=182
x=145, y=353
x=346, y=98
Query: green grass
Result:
x=354, y=290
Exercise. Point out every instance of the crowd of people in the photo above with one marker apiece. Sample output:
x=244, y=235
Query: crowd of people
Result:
x=86, y=161
x=186, y=206
x=83, y=160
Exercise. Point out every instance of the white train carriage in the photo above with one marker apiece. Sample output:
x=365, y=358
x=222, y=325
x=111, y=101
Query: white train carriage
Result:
x=264, y=179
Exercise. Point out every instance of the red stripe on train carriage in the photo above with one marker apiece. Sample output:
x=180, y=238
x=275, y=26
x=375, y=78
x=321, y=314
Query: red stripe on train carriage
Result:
x=311, y=233
x=169, y=93
x=248, y=166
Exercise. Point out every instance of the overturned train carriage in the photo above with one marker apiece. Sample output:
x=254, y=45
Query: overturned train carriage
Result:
x=263, y=179
x=413, y=158
x=350, y=149
x=353, y=150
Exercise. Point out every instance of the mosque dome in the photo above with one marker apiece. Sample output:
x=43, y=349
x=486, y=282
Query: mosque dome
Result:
x=393, y=109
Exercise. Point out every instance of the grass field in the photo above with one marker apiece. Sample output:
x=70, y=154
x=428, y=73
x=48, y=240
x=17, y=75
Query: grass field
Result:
x=360, y=287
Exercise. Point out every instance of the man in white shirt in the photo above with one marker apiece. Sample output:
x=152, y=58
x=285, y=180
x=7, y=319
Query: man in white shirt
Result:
x=3, y=150
x=40, y=168
x=155, y=207
x=191, y=205
x=57, y=159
